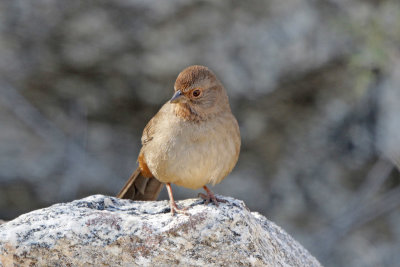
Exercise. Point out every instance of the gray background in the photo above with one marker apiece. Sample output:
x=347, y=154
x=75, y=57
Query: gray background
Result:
x=313, y=84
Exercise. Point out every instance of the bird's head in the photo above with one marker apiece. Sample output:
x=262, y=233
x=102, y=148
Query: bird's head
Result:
x=198, y=90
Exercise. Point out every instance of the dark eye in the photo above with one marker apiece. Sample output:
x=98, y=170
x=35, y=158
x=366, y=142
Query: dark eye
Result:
x=196, y=93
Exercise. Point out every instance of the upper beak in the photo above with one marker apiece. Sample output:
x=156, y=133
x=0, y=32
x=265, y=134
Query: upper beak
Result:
x=177, y=97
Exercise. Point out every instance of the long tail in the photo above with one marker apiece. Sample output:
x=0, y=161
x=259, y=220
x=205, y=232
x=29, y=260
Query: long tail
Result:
x=139, y=187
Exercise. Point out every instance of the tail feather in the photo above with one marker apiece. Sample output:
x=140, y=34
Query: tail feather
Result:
x=139, y=187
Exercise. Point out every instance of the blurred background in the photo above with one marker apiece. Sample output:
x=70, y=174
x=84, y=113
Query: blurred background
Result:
x=315, y=86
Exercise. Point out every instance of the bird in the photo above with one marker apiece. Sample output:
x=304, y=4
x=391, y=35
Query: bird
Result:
x=192, y=141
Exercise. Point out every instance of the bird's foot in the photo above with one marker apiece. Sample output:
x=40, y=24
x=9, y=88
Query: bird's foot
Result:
x=175, y=209
x=210, y=197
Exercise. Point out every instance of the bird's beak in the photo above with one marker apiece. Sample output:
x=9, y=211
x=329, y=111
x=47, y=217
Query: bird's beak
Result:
x=177, y=97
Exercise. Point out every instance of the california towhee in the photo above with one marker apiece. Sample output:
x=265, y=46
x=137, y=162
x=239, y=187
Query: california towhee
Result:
x=192, y=141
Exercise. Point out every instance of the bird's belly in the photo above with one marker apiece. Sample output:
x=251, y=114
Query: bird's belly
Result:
x=204, y=163
x=194, y=162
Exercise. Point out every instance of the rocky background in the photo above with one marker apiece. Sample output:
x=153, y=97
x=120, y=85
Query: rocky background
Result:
x=315, y=86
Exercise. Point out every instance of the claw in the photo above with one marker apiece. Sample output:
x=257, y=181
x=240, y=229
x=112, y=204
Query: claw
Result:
x=210, y=197
x=175, y=209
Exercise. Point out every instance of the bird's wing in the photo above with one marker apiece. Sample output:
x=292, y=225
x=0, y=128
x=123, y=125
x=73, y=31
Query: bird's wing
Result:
x=149, y=130
x=142, y=185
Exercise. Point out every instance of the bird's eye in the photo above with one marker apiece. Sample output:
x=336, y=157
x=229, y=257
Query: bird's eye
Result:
x=196, y=93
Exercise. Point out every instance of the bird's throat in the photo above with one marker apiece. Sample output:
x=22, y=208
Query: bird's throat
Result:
x=184, y=111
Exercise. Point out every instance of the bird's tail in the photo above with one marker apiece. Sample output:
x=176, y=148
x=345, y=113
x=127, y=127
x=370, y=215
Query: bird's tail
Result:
x=139, y=187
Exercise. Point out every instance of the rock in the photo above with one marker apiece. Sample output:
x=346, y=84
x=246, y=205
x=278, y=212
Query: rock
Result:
x=100, y=230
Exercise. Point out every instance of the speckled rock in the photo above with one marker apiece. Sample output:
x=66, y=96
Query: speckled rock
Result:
x=100, y=230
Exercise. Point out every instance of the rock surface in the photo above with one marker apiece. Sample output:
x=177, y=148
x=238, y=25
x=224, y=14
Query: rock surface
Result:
x=100, y=230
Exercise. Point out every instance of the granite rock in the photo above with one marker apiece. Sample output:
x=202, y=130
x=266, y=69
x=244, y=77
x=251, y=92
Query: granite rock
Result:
x=101, y=230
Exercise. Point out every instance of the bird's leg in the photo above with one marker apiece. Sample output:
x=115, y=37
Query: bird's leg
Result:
x=172, y=204
x=210, y=197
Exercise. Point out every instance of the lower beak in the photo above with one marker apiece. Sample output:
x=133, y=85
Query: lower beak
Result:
x=177, y=97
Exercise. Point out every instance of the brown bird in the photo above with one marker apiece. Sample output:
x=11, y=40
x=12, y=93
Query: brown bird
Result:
x=192, y=141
